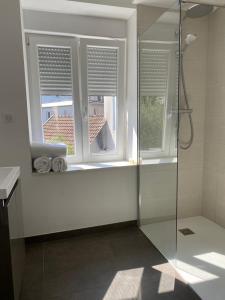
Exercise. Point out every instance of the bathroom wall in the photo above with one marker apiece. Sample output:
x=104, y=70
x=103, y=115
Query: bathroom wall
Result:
x=72, y=24
x=131, y=151
x=158, y=192
x=214, y=160
x=190, y=162
x=55, y=202
x=87, y=198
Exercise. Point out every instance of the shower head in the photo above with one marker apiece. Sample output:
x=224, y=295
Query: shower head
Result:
x=199, y=10
x=189, y=39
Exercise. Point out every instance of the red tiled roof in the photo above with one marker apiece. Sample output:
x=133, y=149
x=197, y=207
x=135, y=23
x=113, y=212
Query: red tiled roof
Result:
x=59, y=128
x=95, y=125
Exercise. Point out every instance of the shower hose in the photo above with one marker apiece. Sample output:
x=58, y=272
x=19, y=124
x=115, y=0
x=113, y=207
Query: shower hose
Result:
x=186, y=144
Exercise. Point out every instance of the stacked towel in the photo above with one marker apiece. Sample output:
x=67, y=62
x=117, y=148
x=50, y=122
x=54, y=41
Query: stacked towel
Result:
x=49, y=156
x=42, y=164
x=59, y=164
x=49, y=150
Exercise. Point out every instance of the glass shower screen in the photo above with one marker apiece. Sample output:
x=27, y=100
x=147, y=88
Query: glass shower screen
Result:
x=158, y=36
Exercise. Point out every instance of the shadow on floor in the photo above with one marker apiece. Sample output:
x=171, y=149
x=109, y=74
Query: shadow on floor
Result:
x=113, y=265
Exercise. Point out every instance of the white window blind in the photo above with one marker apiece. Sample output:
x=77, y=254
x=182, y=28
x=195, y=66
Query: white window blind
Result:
x=154, y=72
x=102, y=69
x=55, y=70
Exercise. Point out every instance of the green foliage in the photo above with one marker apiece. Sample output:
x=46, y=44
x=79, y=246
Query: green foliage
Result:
x=151, y=122
x=61, y=139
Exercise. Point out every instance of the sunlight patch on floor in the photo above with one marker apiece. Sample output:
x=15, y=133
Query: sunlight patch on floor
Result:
x=192, y=274
x=125, y=285
x=167, y=278
x=213, y=258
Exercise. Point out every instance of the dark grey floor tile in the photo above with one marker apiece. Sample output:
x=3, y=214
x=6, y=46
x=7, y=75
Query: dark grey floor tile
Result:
x=34, y=254
x=75, y=254
x=117, y=264
x=31, y=294
x=91, y=294
x=180, y=292
x=33, y=273
x=76, y=281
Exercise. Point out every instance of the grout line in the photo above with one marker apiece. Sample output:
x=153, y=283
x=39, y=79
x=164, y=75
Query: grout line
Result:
x=43, y=271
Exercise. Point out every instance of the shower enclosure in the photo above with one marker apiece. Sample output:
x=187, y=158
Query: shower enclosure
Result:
x=158, y=125
x=182, y=138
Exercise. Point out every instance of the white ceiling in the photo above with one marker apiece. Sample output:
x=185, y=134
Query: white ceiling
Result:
x=109, y=10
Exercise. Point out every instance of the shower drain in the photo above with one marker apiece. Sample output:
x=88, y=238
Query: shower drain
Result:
x=186, y=231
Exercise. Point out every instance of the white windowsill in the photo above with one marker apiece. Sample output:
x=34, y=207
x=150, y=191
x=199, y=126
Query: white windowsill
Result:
x=98, y=165
x=159, y=161
x=73, y=167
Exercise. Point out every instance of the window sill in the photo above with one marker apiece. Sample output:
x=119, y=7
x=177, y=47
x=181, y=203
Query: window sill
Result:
x=159, y=161
x=72, y=167
x=98, y=165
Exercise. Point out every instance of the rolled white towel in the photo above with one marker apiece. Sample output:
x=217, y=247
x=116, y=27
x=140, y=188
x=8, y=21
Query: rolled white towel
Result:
x=59, y=164
x=51, y=150
x=42, y=164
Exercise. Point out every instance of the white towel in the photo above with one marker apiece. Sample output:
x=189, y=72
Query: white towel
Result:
x=51, y=150
x=42, y=164
x=59, y=164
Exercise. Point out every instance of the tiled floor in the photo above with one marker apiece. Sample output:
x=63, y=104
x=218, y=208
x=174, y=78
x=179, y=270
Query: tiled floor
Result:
x=114, y=265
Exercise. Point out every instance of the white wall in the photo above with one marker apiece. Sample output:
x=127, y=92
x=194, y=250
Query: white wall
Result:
x=80, y=199
x=191, y=161
x=73, y=24
x=132, y=87
x=158, y=190
x=214, y=171
x=61, y=201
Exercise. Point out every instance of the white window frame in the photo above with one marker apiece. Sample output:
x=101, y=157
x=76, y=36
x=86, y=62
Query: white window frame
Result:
x=36, y=40
x=80, y=99
x=120, y=107
x=168, y=141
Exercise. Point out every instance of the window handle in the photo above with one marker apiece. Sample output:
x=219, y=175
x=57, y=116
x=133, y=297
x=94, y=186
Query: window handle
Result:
x=85, y=112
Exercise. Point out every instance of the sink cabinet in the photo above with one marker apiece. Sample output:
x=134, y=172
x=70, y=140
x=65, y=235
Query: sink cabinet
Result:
x=12, y=248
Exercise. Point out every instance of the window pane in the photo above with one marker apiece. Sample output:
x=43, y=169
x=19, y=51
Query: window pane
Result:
x=154, y=74
x=152, y=112
x=102, y=123
x=102, y=67
x=58, y=120
x=56, y=95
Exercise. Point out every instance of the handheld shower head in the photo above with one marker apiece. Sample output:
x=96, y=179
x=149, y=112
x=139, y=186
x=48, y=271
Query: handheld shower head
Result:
x=189, y=39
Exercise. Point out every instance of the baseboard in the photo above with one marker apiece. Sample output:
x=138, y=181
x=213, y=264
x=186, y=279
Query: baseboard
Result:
x=77, y=232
